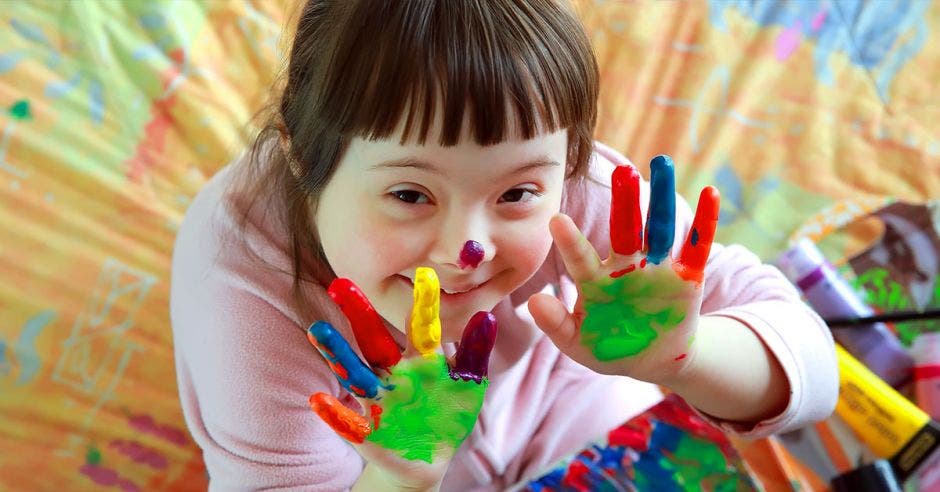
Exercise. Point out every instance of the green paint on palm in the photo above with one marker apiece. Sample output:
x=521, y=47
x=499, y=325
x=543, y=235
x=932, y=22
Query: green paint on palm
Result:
x=427, y=410
x=624, y=315
x=20, y=110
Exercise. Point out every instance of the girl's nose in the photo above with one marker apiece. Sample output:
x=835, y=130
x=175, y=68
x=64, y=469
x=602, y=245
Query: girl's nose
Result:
x=471, y=255
x=463, y=244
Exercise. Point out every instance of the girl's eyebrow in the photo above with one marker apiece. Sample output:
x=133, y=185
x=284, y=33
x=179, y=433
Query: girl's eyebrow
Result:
x=410, y=162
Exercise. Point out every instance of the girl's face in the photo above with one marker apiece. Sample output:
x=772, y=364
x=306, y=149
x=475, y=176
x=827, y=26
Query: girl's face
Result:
x=391, y=208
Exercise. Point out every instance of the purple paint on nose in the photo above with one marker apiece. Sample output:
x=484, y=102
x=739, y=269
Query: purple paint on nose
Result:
x=471, y=254
x=473, y=354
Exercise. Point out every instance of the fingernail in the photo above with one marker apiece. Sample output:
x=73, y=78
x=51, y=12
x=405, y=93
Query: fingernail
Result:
x=349, y=370
x=376, y=343
x=425, y=331
x=473, y=353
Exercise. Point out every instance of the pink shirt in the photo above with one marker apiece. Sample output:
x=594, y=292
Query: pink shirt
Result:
x=245, y=368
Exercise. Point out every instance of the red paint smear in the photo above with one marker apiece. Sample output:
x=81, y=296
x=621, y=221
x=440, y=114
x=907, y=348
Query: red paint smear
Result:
x=151, y=147
x=357, y=390
x=339, y=370
x=643, y=263
x=577, y=477
x=376, y=412
x=620, y=273
x=681, y=357
x=635, y=435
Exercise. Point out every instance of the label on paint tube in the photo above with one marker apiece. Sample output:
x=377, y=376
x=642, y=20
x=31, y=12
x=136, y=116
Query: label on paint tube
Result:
x=889, y=424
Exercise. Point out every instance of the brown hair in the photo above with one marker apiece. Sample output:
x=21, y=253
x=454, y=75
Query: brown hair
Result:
x=357, y=67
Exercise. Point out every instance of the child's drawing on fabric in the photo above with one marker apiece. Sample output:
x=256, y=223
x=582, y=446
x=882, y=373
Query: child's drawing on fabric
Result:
x=880, y=37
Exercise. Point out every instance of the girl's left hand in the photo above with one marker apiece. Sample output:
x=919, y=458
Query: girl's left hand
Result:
x=638, y=310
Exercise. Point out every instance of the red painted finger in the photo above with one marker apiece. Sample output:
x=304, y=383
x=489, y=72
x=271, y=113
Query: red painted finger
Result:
x=691, y=262
x=626, y=222
x=348, y=424
x=376, y=343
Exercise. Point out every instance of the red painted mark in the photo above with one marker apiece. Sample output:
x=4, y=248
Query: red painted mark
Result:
x=339, y=370
x=620, y=273
x=681, y=357
x=643, y=263
x=357, y=390
x=376, y=412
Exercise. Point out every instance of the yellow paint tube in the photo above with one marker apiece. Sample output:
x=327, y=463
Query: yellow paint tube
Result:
x=887, y=422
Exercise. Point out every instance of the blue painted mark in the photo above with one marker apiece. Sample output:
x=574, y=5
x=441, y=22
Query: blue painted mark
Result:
x=147, y=52
x=10, y=60
x=30, y=32
x=96, y=101
x=152, y=20
x=25, y=348
x=56, y=90
x=4, y=363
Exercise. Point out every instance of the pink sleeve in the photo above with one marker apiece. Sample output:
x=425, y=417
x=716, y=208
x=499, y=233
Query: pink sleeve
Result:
x=739, y=286
x=245, y=371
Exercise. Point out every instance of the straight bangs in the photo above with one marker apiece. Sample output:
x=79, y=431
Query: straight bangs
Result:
x=520, y=68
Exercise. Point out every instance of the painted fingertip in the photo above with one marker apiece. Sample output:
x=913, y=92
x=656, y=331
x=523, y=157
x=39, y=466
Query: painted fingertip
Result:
x=692, y=259
x=626, y=222
x=661, y=218
x=373, y=338
x=348, y=368
x=344, y=421
x=425, y=333
x=476, y=344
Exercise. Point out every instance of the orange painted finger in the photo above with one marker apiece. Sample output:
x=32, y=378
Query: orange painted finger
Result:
x=626, y=222
x=345, y=422
x=691, y=262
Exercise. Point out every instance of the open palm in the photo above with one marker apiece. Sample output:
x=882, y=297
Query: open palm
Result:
x=638, y=310
x=420, y=406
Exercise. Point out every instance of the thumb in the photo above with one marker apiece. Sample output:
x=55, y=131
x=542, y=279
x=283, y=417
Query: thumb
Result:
x=554, y=320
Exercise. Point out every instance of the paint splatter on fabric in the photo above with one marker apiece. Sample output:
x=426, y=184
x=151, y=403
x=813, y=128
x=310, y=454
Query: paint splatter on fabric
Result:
x=667, y=448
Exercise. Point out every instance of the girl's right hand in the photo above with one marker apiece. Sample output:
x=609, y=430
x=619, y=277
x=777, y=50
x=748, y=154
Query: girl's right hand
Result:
x=420, y=405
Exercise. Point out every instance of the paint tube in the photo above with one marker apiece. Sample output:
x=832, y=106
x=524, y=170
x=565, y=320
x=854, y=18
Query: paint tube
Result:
x=890, y=425
x=926, y=353
x=831, y=296
x=873, y=477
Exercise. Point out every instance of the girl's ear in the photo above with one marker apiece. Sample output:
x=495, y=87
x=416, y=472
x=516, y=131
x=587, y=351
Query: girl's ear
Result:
x=283, y=140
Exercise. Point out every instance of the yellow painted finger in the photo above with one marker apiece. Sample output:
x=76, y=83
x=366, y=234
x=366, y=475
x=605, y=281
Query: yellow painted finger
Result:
x=425, y=330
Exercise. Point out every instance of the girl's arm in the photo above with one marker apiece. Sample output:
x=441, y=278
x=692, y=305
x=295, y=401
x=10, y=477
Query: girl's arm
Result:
x=732, y=376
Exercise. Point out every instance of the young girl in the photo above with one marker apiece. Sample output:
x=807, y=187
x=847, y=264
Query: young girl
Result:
x=438, y=156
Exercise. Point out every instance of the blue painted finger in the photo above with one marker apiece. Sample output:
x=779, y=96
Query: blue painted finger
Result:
x=661, y=217
x=349, y=369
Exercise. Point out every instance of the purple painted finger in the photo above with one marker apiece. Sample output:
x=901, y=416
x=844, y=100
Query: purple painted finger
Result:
x=473, y=353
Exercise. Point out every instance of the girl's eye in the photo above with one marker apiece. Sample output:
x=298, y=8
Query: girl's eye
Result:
x=519, y=195
x=411, y=196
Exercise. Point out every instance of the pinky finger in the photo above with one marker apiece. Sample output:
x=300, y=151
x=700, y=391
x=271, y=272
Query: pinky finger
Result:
x=345, y=422
x=698, y=244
